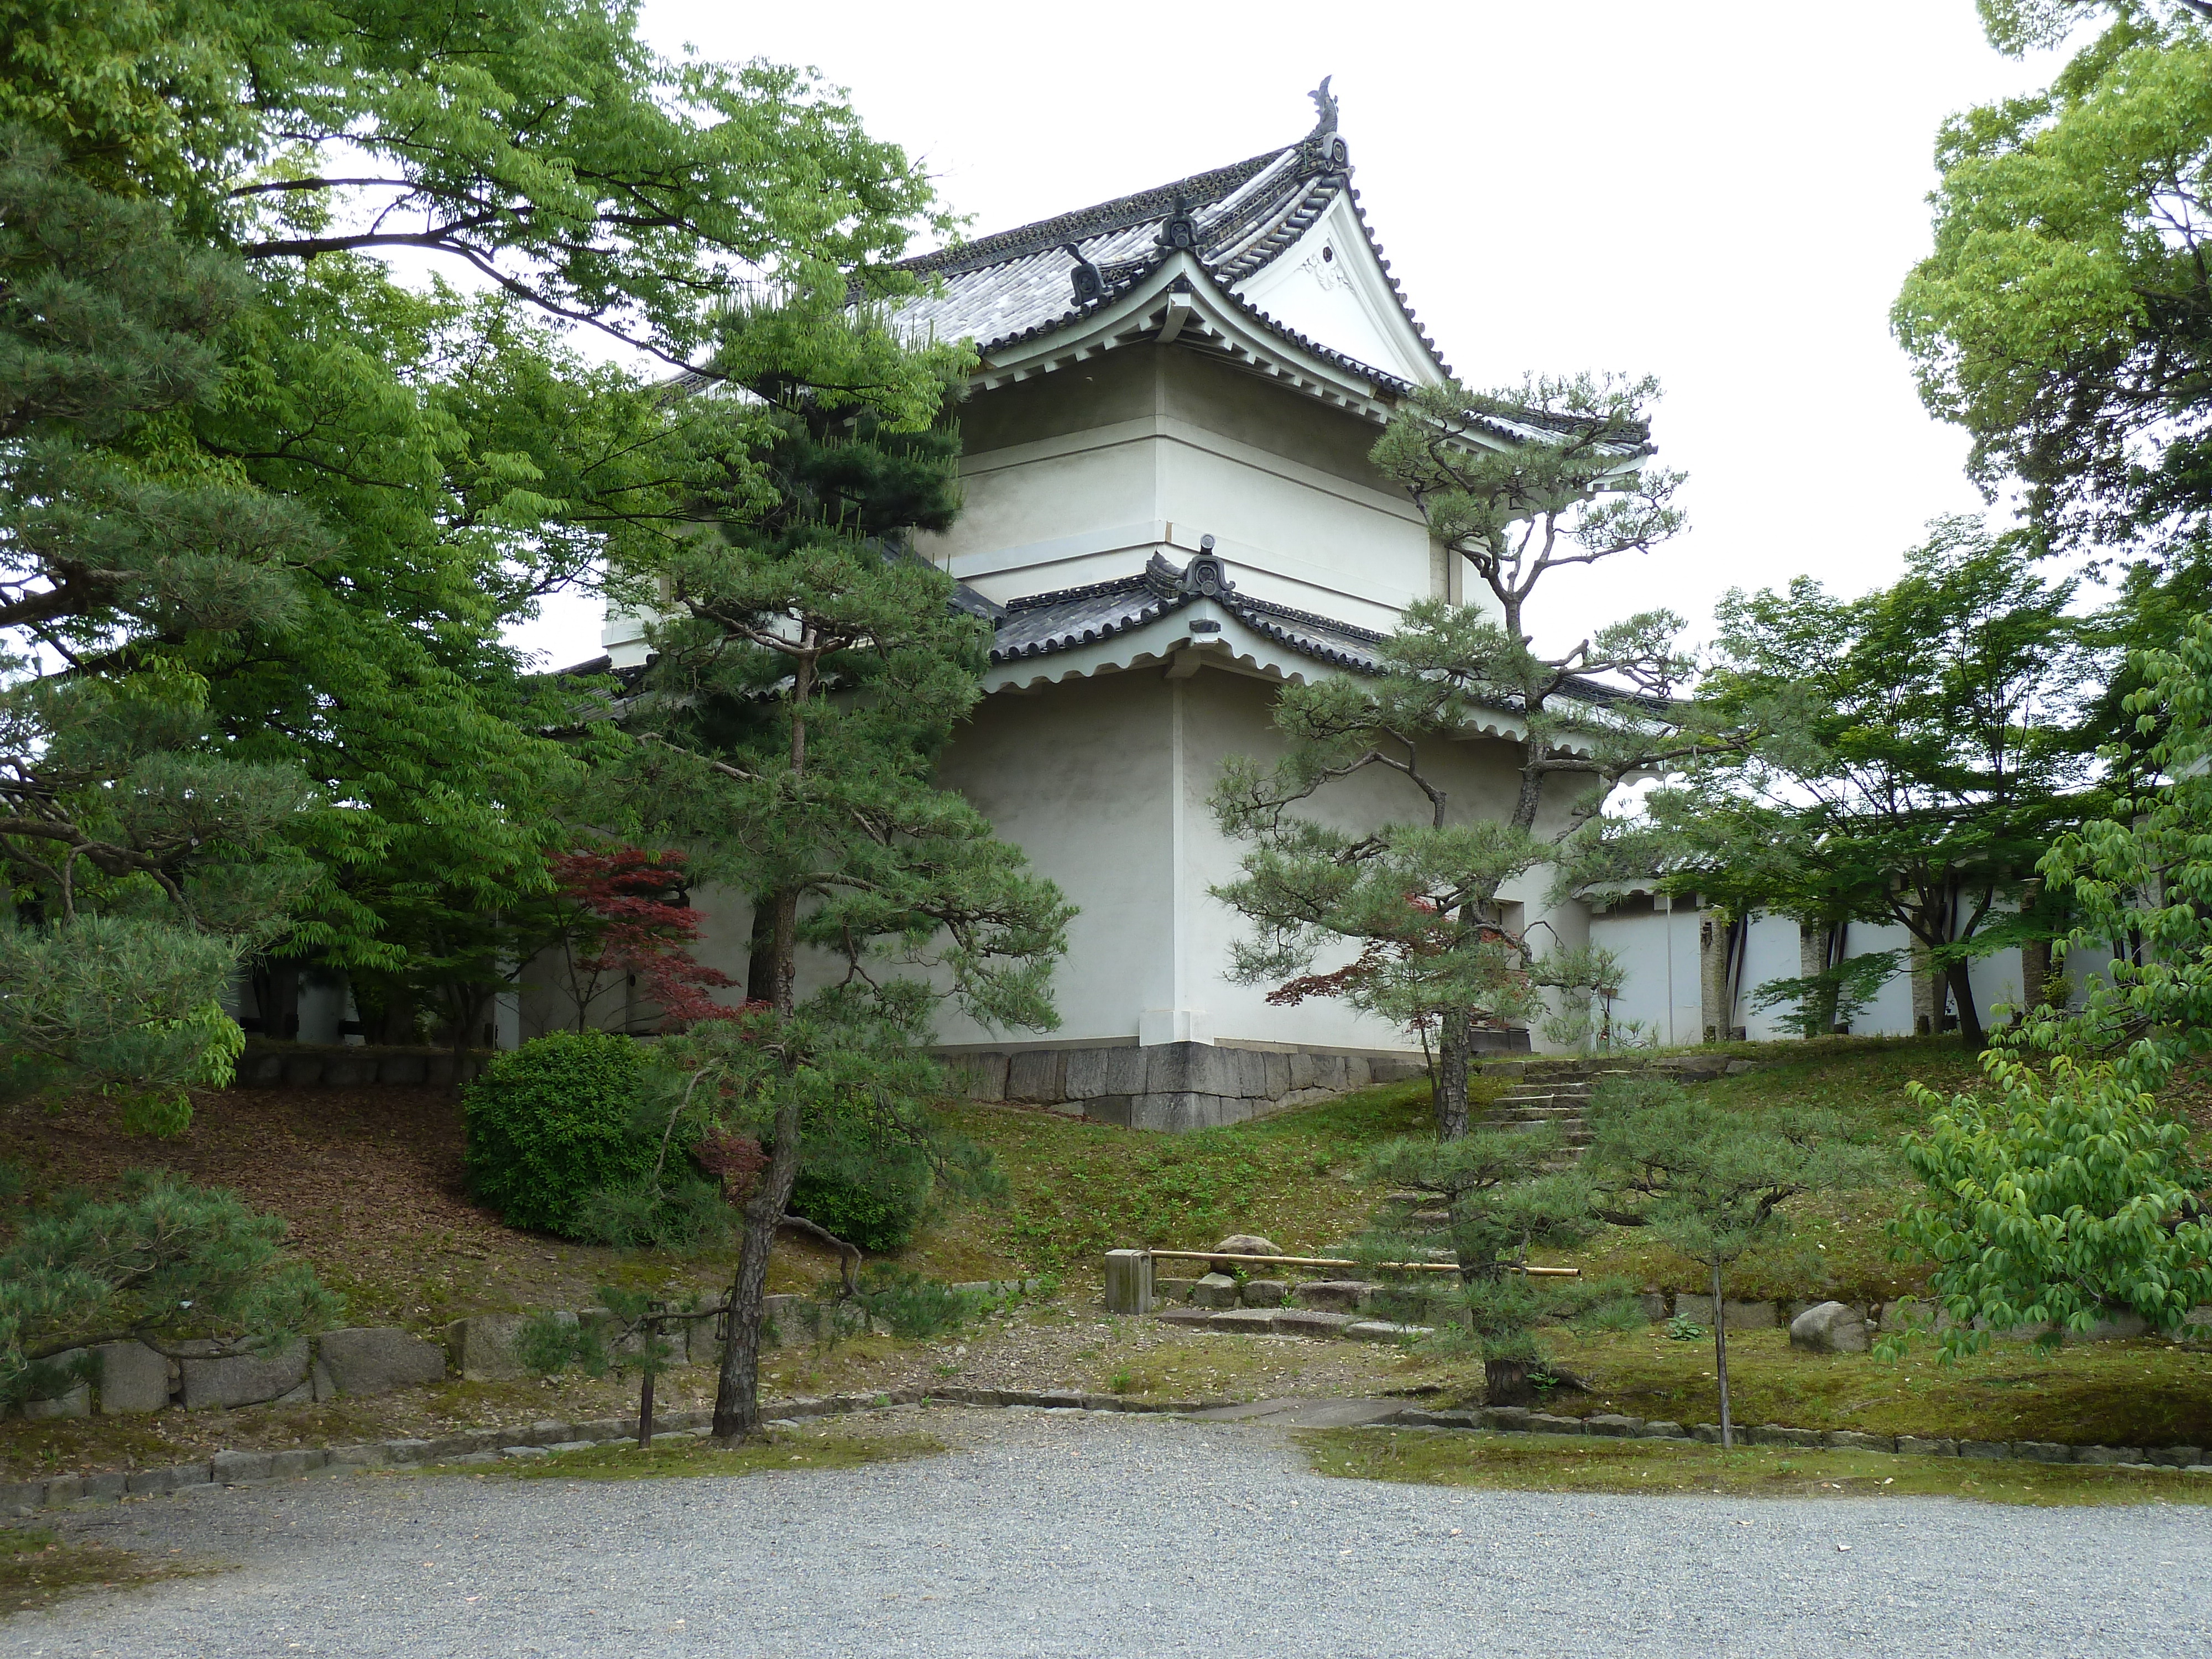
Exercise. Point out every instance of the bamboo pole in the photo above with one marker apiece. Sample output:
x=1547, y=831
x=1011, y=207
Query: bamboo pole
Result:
x=1341, y=1262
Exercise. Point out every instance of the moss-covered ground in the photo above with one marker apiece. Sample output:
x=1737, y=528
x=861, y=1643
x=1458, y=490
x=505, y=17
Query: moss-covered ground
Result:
x=1570, y=1463
x=786, y=1450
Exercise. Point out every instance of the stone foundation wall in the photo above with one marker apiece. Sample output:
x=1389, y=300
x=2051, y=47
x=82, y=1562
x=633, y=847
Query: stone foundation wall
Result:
x=303, y=1066
x=1170, y=1085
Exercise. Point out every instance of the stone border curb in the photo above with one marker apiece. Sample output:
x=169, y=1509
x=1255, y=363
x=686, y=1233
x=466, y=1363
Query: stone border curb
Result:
x=232, y=1468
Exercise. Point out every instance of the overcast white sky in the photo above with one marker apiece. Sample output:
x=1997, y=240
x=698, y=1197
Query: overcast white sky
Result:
x=1721, y=192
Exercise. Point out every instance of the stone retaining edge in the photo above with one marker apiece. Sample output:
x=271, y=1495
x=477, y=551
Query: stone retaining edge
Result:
x=229, y=1468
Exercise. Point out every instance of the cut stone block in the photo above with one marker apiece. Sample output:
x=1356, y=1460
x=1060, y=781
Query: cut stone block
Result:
x=1506, y=1419
x=304, y=1460
x=2175, y=1457
x=106, y=1488
x=230, y=1468
x=1914, y=1445
x=482, y=1348
x=1546, y=1423
x=1829, y=1327
x=1665, y=1431
x=2042, y=1451
x=2118, y=1325
x=1214, y=1291
x=1741, y=1315
x=77, y=1402
x=23, y=1496
x=1336, y=1295
x=1854, y=1440
x=1988, y=1449
x=376, y=1360
x=1244, y=1322
x=132, y=1378
x=1265, y=1294
x=1171, y=1289
x=375, y=1455
x=1128, y=1281
x=1195, y=1317
x=1614, y=1424
x=1037, y=1075
x=243, y=1379
x=2104, y=1455
x=1767, y=1435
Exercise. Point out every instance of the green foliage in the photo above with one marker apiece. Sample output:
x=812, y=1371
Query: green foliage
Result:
x=1502, y=1198
x=160, y=1260
x=1916, y=751
x=675, y=1211
x=554, y=1122
x=335, y=490
x=2073, y=1194
x=1683, y=1328
x=2058, y=318
x=877, y=1214
x=915, y=1307
x=2140, y=880
x=1822, y=1004
x=1710, y=1180
x=1414, y=900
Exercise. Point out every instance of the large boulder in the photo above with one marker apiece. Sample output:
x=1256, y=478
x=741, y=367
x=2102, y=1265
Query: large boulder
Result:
x=1242, y=1244
x=219, y=1382
x=1829, y=1327
x=378, y=1360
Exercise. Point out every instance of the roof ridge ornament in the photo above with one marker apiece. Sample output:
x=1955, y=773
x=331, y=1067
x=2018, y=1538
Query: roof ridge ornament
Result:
x=1090, y=283
x=1324, y=106
x=1207, y=574
x=1179, y=230
x=1323, y=150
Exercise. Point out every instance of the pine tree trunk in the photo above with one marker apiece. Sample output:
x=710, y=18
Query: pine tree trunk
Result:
x=1451, y=1076
x=760, y=964
x=1505, y=1382
x=737, y=1391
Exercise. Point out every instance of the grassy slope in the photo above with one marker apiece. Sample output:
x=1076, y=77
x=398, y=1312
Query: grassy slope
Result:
x=1835, y=1246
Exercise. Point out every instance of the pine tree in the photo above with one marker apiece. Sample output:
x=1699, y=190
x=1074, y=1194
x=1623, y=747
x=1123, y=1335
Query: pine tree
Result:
x=811, y=670
x=1516, y=484
x=140, y=864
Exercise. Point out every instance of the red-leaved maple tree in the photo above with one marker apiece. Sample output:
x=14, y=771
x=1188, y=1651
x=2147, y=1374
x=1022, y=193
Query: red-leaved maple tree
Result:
x=623, y=920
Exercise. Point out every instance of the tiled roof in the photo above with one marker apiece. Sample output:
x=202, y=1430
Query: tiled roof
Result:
x=1015, y=284
x=1072, y=616
x=1068, y=618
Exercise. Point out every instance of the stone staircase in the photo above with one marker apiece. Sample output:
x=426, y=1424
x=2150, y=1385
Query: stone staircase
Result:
x=1556, y=1095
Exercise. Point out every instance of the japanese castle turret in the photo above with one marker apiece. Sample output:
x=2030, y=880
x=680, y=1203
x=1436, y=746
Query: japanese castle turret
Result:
x=1170, y=514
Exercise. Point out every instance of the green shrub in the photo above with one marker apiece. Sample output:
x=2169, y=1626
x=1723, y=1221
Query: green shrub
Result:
x=554, y=1122
x=863, y=1195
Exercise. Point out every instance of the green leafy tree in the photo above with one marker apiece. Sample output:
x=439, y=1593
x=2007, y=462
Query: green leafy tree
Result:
x=808, y=673
x=458, y=457
x=1505, y=1195
x=2059, y=317
x=1516, y=484
x=159, y=1262
x=2077, y=1192
x=1822, y=1004
x=2071, y=1195
x=1709, y=1182
x=1913, y=753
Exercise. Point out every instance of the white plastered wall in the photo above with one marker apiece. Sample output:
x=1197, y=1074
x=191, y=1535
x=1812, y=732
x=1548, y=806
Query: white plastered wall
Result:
x=1080, y=476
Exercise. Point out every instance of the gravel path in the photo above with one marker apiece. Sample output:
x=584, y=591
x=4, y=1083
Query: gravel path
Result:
x=1100, y=1536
